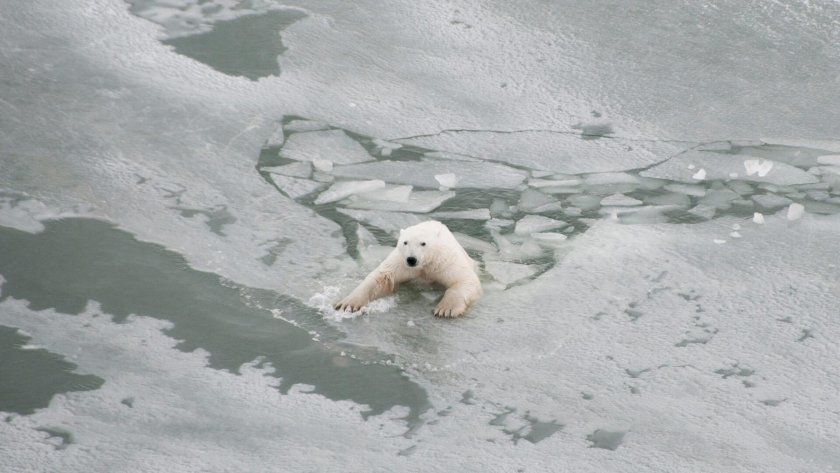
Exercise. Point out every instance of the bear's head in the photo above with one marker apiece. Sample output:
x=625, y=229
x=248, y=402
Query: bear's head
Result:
x=418, y=242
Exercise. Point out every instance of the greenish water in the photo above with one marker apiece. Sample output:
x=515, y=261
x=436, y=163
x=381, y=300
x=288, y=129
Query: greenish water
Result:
x=247, y=46
x=74, y=261
x=30, y=376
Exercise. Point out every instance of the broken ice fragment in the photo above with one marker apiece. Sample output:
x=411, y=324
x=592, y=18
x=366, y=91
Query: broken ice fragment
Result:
x=719, y=241
x=305, y=125
x=695, y=190
x=389, y=193
x=549, y=239
x=795, y=211
x=341, y=190
x=296, y=169
x=276, y=139
x=473, y=243
x=758, y=218
x=480, y=175
x=334, y=145
x=531, y=199
x=390, y=222
x=323, y=165
x=294, y=187
x=620, y=200
x=418, y=202
x=448, y=180
x=476, y=214
x=735, y=234
x=770, y=201
x=704, y=211
x=699, y=175
x=537, y=223
x=507, y=273
x=829, y=160
x=755, y=166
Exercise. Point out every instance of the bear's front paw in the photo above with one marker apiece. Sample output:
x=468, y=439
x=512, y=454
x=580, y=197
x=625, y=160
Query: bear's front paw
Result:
x=351, y=303
x=450, y=308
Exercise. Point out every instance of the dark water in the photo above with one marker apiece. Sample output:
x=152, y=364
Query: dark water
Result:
x=74, y=261
x=29, y=377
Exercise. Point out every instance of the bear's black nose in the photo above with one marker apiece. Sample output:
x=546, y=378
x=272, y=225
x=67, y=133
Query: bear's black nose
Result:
x=411, y=261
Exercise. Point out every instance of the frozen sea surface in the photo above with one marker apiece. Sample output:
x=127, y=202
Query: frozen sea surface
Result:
x=652, y=193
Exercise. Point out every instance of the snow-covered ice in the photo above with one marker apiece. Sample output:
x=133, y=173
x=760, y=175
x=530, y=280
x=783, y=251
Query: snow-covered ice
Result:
x=626, y=340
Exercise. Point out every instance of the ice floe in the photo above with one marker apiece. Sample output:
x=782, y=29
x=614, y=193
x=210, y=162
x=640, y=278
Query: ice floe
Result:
x=344, y=189
x=332, y=145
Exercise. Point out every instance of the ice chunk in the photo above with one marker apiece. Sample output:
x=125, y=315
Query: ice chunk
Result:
x=670, y=198
x=294, y=187
x=611, y=178
x=549, y=239
x=473, y=243
x=549, y=207
x=481, y=175
x=323, y=165
x=694, y=190
x=322, y=177
x=276, y=139
x=719, y=241
x=648, y=214
x=498, y=223
x=333, y=145
x=720, y=166
x=536, y=224
x=620, y=200
x=755, y=166
x=531, y=199
x=418, y=202
x=758, y=218
x=740, y=187
x=500, y=208
x=735, y=234
x=448, y=180
x=538, y=183
x=476, y=214
x=344, y=189
x=389, y=193
x=699, y=175
x=704, y=211
x=390, y=222
x=560, y=190
x=795, y=211
x=305, y=125
x=507, y=273
x=585, y=202
x=370, y=251
x=386, y=147
x=770, y=201
x=720, y=198
x=297, y=169
x=829, y=160
x=516, y=248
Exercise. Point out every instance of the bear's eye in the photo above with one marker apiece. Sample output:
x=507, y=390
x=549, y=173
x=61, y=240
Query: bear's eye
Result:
x=405, y=243
x=423, y=244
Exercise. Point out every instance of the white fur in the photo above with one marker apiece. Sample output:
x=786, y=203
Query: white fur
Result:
x=440, y=258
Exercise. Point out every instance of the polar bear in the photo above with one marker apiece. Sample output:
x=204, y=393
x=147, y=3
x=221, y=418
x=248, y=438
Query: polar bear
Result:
x=430, y=252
